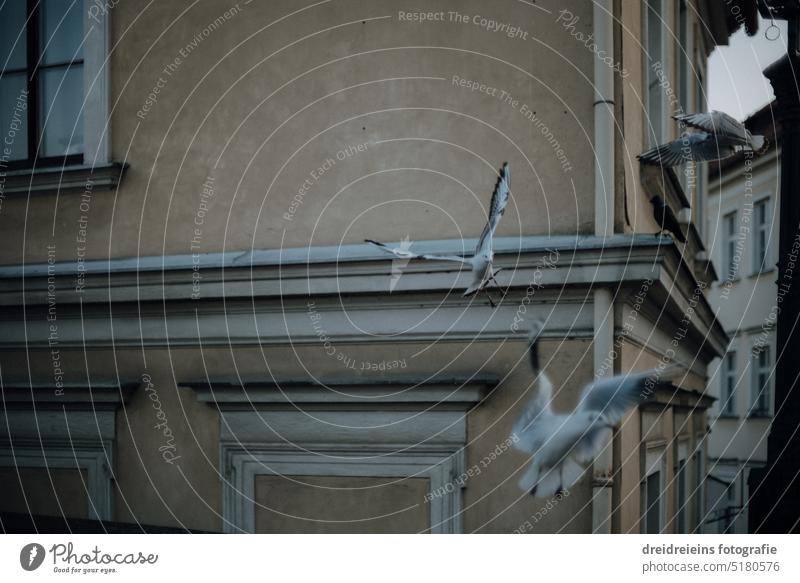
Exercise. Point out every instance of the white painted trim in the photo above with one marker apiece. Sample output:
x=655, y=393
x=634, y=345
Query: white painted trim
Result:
x=91, y=457
x=440, y=465
x=97, y=85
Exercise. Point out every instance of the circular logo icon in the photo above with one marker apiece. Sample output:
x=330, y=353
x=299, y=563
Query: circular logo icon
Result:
x=31, y=556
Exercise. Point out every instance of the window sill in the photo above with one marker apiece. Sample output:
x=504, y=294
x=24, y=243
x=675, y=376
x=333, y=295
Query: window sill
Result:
x=63, y=179
x=765, y=271
x=728, y=416
x=760, y=415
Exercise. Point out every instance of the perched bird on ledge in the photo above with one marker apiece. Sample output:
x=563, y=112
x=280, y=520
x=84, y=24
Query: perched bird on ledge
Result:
x=666, y=219
x=717, y=136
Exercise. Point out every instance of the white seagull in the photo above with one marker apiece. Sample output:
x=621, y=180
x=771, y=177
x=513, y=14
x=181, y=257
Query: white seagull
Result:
x=717, y=136
x=481, y=261
x=564, y=444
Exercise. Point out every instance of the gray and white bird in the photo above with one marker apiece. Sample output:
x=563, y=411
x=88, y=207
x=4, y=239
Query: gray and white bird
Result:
x=480, y=263
x=717, y=136
x=563, y=445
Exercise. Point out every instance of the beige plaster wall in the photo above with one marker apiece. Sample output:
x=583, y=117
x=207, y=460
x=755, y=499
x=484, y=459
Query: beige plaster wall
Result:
x=340, y=504
x=259, y=104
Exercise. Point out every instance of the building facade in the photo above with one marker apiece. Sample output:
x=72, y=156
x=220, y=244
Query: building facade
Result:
x=742, y=225
x=195, y=335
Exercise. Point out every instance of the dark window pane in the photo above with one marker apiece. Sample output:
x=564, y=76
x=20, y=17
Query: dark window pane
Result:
x=13, y=36
x=14, y=117
x=61, y=116
x=681, y=496
x=61, y=30
x=653, y=512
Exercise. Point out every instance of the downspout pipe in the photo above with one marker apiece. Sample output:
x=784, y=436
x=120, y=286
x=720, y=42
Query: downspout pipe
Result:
x=603, y=31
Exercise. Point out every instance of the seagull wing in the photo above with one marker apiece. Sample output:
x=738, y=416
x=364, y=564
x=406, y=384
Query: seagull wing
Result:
x=695, y=147
x=496, y=210
x=719, y=123
x=404, y=254
x=614, y=396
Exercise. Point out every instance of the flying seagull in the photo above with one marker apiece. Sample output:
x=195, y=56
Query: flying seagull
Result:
x=481, y=261
x=666, y=219
x=563, y=445
x=717, y=136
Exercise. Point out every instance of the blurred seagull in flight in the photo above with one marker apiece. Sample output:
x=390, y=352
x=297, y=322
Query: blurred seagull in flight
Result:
x=564, y=444
x=717, y=136
x=481, y=262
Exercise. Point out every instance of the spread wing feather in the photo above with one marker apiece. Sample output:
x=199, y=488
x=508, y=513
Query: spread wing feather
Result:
x=404, y=254
x=496, y=209
x=719, y=123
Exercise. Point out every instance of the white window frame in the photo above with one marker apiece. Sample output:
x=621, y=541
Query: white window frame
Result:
x=97, y=84
x=655, y=122
x=94, y=459
x=260, y=437
x=730, y=241
x=440, y=466
x=729, y=376
x=759, y=228
x=756, y=389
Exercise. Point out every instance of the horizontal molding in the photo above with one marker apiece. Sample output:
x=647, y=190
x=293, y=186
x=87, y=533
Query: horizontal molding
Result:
x=463, y=392
x=64, y=179
x=97, y=396
x=262, y=297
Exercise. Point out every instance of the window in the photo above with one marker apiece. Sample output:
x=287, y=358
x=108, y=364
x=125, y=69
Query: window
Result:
x=761, y=382
x=699, y=486
x=683, y=56
x=654, y=61
x=728, y=520
x=42, y=86
x=729, y=248
x=653, y=501
x=682, y=487
x=761, y=235
x=728, y=404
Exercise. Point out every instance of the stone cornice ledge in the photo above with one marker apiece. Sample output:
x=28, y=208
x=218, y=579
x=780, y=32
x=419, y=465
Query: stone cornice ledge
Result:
x=318, y=271
x=442, y=392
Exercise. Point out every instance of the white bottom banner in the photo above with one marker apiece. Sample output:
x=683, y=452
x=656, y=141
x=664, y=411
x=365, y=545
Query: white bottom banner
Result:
x=485, y=558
